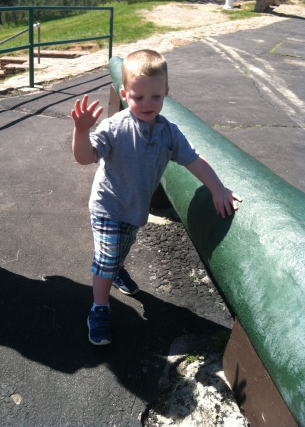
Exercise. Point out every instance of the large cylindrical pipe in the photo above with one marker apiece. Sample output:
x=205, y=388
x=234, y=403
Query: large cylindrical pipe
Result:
x=257, y=256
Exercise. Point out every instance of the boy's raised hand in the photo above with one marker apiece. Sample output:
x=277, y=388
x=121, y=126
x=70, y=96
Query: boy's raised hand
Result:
x=224, y=200
x=84, y=117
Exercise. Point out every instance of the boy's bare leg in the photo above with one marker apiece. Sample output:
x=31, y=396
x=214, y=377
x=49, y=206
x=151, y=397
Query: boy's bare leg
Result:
x=101, y=289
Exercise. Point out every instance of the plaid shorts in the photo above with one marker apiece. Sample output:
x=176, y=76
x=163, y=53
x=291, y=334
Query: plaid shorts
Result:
x=112, y=242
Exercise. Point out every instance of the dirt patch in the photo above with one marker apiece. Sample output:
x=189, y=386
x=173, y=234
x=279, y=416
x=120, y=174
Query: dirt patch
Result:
x=178, y=15
x=290, y=8
x=181, y=15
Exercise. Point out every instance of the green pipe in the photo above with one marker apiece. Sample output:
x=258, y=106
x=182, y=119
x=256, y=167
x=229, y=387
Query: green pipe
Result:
x=18, y=8
x=70, y=41
x=257, y=255
x=110, y=33
x=31, y=49
x=14, y=49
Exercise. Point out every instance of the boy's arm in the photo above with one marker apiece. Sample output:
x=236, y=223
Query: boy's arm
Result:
x=222, y=197
x=84, y=118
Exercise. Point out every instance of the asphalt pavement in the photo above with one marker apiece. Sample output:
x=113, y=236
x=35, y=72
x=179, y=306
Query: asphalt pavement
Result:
x=250, y=87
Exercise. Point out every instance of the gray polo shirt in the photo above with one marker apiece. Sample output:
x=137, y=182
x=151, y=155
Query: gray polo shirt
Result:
x=132, y=163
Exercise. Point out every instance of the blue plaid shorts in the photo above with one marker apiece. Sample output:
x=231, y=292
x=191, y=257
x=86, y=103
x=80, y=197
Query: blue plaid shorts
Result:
x=112, y=242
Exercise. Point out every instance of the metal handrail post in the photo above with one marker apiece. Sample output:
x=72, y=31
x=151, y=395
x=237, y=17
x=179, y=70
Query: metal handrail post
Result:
x=39, y=42
x=110, y=33
x=38, y=26
x=31, y=48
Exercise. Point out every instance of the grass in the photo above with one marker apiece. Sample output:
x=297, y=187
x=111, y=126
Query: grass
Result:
x=278, y=45
x=196, y=279
x=191, y=358
x=245, y=12
x=128, y=27
x=9, y=76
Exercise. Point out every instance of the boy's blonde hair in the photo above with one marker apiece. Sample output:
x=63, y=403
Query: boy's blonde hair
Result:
x=144, y=62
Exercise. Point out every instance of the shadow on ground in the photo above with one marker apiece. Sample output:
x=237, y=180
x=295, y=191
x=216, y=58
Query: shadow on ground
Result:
x=53, y=102
x=45, y=321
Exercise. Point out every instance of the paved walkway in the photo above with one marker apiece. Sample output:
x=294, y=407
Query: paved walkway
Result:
x=61, y=69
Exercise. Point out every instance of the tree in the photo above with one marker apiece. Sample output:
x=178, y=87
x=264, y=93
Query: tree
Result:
x=6, y=3
x=41, y=15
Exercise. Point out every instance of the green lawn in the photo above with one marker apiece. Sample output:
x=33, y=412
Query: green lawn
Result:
x=128, y=27
x=246, y=11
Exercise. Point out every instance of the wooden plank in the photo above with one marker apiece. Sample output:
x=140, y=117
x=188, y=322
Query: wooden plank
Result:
x=255, y=392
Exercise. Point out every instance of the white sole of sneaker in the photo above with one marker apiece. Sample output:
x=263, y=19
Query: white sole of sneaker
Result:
x=104, y=342
x=124, y=292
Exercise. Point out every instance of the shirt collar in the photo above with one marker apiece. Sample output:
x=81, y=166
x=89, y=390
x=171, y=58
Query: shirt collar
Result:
x=144, y=127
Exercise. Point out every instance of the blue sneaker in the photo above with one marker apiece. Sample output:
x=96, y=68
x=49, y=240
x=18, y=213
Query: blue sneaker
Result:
x=99, y=326
x=124, y=283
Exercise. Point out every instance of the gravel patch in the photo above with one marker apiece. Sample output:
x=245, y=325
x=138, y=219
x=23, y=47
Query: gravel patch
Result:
x=177, y=274
x=194, y=391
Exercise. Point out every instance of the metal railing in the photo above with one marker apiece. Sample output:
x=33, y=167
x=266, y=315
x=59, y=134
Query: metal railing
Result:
x=22, y=32
x=30, y=46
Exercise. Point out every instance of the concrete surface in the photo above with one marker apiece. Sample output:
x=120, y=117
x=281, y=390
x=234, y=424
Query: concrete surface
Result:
x=254, y=97
x=51, y=375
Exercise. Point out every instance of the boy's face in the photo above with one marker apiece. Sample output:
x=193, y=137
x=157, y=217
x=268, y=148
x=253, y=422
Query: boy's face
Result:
x=145, y=96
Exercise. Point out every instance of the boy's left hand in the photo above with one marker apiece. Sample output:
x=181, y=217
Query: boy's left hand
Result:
x=224, y=200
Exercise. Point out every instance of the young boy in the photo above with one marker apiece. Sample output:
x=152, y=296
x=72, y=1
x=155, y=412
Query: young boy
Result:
x=133, y=147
